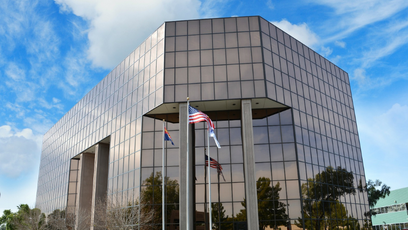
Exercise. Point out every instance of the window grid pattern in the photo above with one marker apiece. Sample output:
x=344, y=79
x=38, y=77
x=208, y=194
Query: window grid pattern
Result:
x=213, y=59
x=226, y=196
x=114, y=108
x=319, y=93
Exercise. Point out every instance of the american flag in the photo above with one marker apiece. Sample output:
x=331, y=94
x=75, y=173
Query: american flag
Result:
x=215, y=165
x=195, y=116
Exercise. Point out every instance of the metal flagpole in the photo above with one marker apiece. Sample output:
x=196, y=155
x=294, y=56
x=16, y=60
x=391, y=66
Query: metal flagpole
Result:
x=205, y=192
x=163, y=183
x=209, y=177
x=188, y=167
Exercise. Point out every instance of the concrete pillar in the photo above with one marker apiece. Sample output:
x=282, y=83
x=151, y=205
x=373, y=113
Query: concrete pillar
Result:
x=183, y=119
x=100, y=181
x=84, y=190
x=249, y=165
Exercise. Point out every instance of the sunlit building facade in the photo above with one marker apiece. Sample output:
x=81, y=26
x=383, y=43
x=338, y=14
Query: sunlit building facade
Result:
x=283, y=115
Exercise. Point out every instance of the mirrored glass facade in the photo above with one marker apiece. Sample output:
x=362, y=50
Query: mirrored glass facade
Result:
x=307, y=155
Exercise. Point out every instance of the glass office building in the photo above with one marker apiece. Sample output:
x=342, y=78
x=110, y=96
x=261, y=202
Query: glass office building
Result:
x=283, y=115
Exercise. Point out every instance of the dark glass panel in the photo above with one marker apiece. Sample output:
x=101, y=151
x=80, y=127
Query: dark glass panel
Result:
x=232, y=56
x=233, y=72
x=170, y=28
x=193, y=42
x=258, y=71
x=260, y=135
x=181, y=43
x=289, y=152
x=181, y=28
x=246, y=72
x=219, y=57
x=287, y=134
x=194, y=58
x=194, y=75
x=255, y=39
x=193, y=27
x=260, y=89
x=147, y=158
x=169, y=60
x=207, y=91
x=261, y=152
x=244, y=55
x=194, y=92
x=207, y=74
x=181, y=92
x=206, y=57
x=238, y=190
x=278, y=171
x=218, y=25
x=205, y=26
x=225, y=192
x=206, y=41
x=231, y=40
x=181, y=59
x=243, y=24
x=218, y=41
x=243, y=39
x=220, y=73
x=274, y=134
x=230, y=25
x=221, y=92
x=181, y=75
x=247, y=89
x=173, y=154
x=254, y=23
x=256, y=54
x=236, y=151
x=170, y=44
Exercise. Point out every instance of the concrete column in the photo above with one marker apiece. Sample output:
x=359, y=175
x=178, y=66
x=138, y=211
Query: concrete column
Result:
x=100, y=181
x=84, y=190
x=249, y=165
x=183, y=119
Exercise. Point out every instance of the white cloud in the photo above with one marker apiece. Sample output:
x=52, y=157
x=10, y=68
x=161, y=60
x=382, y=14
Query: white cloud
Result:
x=19, y=152
x=301, y=32
x=118, y=27
x=340, y=44
x=270, y=5
x=14, y=72
x=353, y=15
x=326, y=51
x=384, y=136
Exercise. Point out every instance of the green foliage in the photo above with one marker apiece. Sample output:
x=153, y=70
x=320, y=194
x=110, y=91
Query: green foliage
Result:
x=7, y=219
x=270, y=209
x=375, y=194
x=152, y=194
x=24, y=218
x=218, y=215
x=321, y=195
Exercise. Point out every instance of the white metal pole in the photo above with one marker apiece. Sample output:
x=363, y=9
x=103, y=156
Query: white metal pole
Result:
x=209, y=177
x=188, y=169
x=163, y=183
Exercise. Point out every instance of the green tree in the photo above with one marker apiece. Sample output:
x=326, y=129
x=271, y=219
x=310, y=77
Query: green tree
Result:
x=7, y=219
x=152, y=194
x=218, y=215
x=375, y=191
x=271, y=211
x=24, y=218
x=321, y=192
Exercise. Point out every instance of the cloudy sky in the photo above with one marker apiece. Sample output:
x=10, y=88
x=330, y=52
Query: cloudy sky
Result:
x=53, y=52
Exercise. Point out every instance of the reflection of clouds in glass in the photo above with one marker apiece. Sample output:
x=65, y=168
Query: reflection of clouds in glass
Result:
x=260, y=135
x=262, y=170
x=238, y=192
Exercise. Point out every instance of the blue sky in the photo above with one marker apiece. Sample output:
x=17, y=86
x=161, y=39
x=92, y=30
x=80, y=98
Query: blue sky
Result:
x=53, y=52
